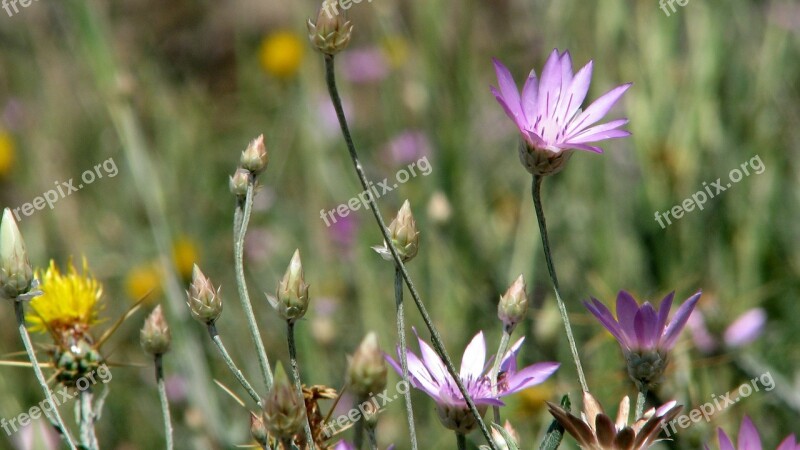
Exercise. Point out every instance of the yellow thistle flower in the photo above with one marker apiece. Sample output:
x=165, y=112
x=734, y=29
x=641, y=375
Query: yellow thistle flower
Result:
x=281, y=54
x=7, y=154
x=184, y=256
x=71, y=301
x=142, y=280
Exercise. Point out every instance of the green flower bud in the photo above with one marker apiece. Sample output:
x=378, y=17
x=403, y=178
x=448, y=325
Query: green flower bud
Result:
x=367, y=371
x=284, y=412
x=204, y=302
x=254, y=157
x=16, y=274
x=542, y=161
x=513, y=305
x=258, y=430
x=292, y=297
x=404, y=235
x=239, y=181
x=331, y=32
x=155, y=336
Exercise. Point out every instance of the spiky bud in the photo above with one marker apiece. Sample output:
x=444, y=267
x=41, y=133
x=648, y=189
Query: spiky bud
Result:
x=258, y=430
x=404, y=235
x=366, y=371
x=331, y=32
x=513, y=305
x=284, y=412
x=155, y=336
x=254, y=157
x=239, y=181
x=204, y=302
x=16, y=274
x=292, y=297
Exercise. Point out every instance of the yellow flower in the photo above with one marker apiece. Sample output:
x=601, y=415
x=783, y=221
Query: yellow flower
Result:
x=71, y=301
x=396, y=50
x=7, y=154
x=142, y=280
x=281, y=54
x=184, y=256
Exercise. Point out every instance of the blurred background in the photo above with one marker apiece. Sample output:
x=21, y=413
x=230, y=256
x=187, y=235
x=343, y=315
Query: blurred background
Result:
x=172, y=92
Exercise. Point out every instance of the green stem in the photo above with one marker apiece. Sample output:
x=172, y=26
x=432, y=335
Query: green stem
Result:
x=401, y=333
x=212, y=331
x=461, y=441
x=501, y=351
x=640, y=400
x=373, y=440
x=86, y=419
x=162, y=394
x=436, y=340
x=358, y=428
x=537, y=202
x=298, y=386
x=243, y=218
x=58, y=422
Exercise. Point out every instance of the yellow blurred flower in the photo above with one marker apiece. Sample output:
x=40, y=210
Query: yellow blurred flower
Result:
x=143, y=280
x=532, y=399
x=184, y=256
x=71, y=301
x=396, y=50
x=281, y=53
x=7, y=153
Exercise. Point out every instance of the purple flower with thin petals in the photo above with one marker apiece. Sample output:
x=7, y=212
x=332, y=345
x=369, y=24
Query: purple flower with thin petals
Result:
x=548, y=115
x=645, y=334
x=750, y=440
x=745, y=329
x=429, y=374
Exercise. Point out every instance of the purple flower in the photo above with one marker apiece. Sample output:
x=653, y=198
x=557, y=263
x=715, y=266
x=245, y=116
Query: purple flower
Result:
x=429, y=374
x=744, y=330
x=548, y=115
x=644, y=334
x=750, y=440
x=408, y=147
x=365, y=65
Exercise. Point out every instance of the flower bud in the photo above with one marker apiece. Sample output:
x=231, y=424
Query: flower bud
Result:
x=254, y=157
x=204, y=302
x=155, y=336
x=16, y=274
x=331, y=33
x=239, y=181
x=540, y=161
x=500, y=440
x=292, y=299
x=258, y=430
x=366, y=371
x=404, y=235
x=513, y=305
x=646, y=367
x=284, y=412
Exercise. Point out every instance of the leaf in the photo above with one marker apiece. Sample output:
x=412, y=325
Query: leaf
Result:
x=555, y=432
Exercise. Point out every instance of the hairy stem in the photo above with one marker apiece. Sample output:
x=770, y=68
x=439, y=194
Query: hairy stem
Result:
x=86, y=419
x=298, y=385
x=436, y=340
x=212, y=331
x=58, y=422
x=501, y=351
x=640, y=400
x=401, y=333
x=537, y=202
x=162, y=394
x=240, y=220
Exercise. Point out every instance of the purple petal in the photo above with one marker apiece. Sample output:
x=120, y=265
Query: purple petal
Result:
x=724, y=441
x=748, y=436
x=746, y=328
x=566, y=70
x=703, y=340
x=645, y=326
x=788, y=444
x=599, y=310
x=432, y=362
x=590, y=148
x=626, y=312
x=549, y=85
x=663, y=312
x=607, y=130
x=576, y=93
x=679, y=321
x=508, y=88
x=530, y=376
x=517, y=120
x=597, y=109
x=474, y=358
x=509, y=362
x=530, y=95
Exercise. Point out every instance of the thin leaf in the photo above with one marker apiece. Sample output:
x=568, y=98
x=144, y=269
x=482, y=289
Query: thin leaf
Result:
x=555, y=432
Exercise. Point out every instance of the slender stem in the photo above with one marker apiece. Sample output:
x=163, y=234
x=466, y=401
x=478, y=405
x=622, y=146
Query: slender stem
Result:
x=242, y=218
x=86, y=420
x=358, y=429
x=537, y=202
x=401, y=333
x=212, y=331
x=373, y=440
x=58, y=422
x=162, y=394
x=501, y=351
x=298, y=386
x=461, y=441
x=640, y=400
x=436, y=340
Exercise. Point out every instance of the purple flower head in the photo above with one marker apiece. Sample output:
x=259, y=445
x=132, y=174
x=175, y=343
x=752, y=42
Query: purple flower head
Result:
x=750, y=440
x=408, y=146
x=365, y=65
x=429, y=374
x=548, y=115
x=745, y=329
x=645, y=334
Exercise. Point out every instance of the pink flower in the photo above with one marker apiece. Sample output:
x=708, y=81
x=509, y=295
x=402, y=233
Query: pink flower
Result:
x=750, y=440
